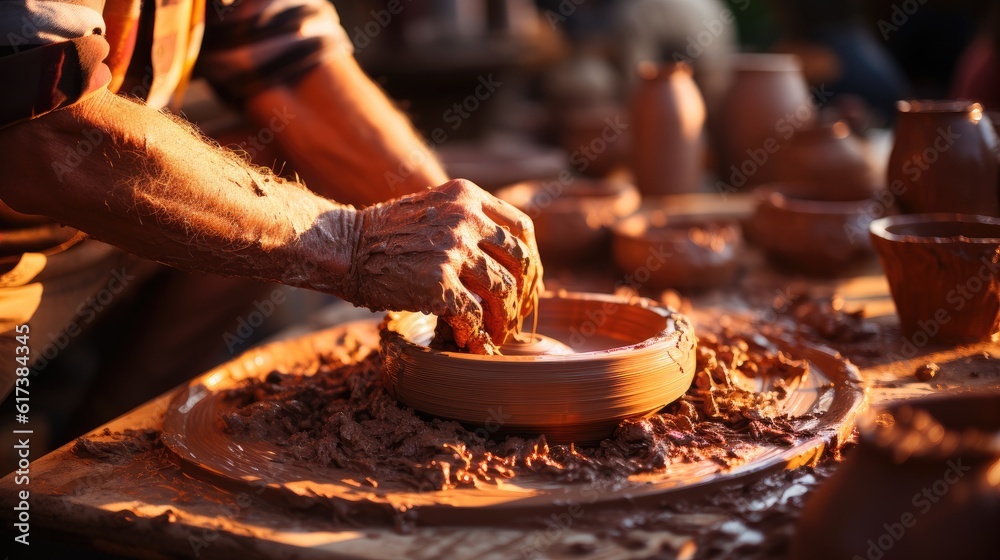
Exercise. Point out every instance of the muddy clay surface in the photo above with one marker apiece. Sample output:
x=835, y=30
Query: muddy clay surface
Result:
x=342, y=417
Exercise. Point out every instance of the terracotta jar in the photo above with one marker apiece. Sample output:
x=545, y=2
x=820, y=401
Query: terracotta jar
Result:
x=667, y=120
x=924, y=482
x=945, y=159
x=766, y=103
x=830, y=160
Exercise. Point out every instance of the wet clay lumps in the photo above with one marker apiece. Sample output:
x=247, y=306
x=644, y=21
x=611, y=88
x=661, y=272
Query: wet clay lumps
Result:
x=343, y=418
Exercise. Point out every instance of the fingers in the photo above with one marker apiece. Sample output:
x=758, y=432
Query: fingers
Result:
x=509, y=251
x=499, y=296
x=521, y=227
x=465, y=316
x=507, y=215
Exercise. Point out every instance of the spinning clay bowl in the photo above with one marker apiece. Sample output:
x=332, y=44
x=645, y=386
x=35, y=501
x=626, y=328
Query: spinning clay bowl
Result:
x=631, y=357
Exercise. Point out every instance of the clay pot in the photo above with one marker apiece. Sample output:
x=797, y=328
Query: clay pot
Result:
x=501, y=161
x=767, y=101
x=830, y=160
x=633, y=360
x=685, y=253
x=572, y=218
x=820, y=237
x=945, y=159
x=667, y=120
x=944, y=274
x=596, y=139
x=924, y=482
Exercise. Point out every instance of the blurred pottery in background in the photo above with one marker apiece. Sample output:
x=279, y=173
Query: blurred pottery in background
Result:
x=820, y=237
x=501, y=161
x=829, y=159
x=924, y=482
x=767, y=101
x=596, y=139
x=572, y=218
x=582, y=82
x=681, y=252
x=945, y=159
x=944, y=273
x=667, y=119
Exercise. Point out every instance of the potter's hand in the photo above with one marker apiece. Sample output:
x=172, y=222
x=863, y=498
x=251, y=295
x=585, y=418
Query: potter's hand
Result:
x=454, y=251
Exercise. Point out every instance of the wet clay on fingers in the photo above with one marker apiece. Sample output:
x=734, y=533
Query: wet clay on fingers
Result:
x=455, y=252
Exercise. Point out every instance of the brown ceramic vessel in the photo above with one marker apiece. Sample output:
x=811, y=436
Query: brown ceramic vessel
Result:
x=768, y=97
x=829, y=159
x=631, y=358
x=667, y=120
x=944, y=272
x=924, y=482
x=572, y=217
x=503, y=161
x=597, y=139
x=945, y=159
x=681, y=252
x=820, y=237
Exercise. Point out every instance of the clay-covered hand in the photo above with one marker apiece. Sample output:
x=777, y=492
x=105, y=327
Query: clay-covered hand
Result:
x=454, y=251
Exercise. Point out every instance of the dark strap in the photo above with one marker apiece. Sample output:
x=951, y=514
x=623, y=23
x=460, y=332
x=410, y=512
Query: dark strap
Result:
x=45, y=78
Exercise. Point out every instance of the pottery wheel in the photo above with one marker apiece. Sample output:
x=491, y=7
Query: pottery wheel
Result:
x=825, y=403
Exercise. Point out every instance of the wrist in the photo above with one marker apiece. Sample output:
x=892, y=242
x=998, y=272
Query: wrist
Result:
x=325, y=252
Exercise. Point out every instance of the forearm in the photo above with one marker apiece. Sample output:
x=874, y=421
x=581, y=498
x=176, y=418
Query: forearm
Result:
x=135, y=178
x=344, y=137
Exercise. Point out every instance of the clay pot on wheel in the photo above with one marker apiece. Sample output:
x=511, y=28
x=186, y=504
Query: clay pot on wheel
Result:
x=944, y=274
x=572, y=218
x=767, y=99
x=667, y=120
x=924, y=482
x=945, y=159
x=638, y=359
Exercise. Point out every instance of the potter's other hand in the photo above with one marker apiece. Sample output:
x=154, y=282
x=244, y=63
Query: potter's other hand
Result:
x=454, y=251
